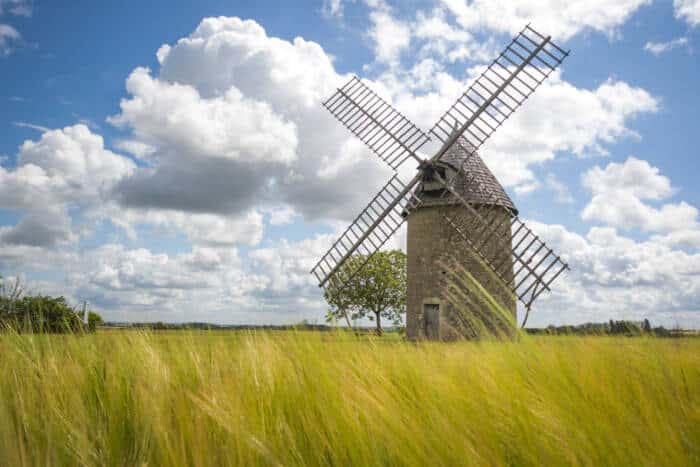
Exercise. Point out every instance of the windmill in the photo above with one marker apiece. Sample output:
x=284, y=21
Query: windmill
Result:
x=453, y=197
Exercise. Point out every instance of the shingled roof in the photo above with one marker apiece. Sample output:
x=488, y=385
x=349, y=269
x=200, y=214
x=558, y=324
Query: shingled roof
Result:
x=491, y=193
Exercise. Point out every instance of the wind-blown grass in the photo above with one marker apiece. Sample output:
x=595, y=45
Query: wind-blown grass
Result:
x=199, y=398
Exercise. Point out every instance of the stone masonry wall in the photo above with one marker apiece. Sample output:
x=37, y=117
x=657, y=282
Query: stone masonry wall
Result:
x=431, y=238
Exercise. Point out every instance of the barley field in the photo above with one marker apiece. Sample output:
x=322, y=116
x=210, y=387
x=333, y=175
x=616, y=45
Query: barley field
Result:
x=128, y=398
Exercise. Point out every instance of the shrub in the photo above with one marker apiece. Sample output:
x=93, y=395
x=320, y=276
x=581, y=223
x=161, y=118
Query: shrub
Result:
x=40, y=313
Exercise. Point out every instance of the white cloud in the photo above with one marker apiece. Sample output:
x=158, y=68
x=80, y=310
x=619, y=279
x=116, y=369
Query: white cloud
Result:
x=32, y=126
x=391, y=36
x=618, y=194
x=16, y=7
x=288, y=264
x=41, y=227
x=78, y=158
x=229, y=126
x=208, y=284
x=64, y=168
x=113, y=278
x=193, y=112
x=232, y=135
x=68, y=165
x=449, y=41
x=657, y=48
x=689, y=10
x=635, y=176
x=615, y=277
x=138, y=149
x=210, y=230
x=546, y=126
x=624, y=210
x=9, y=37
x=561, y=18
x=282, y=215
x=332, y=8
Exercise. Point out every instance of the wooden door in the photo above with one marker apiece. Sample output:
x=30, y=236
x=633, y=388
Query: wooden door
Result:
x=431, y=321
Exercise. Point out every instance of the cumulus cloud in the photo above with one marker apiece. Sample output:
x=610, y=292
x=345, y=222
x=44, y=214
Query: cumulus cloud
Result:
x=619, y=192
x=613, y=276
x=199, y=228
x=114, y=277
x=230, y=137
x=635, y=176
x=76, y=158
x=42, y=227
x=688, y=10
x=391, y=36
x=443, y=39
x=208, y=158
x=545, y=126
x=229, y=126
x=562, y=18
x=64, y=168
x=211, y=284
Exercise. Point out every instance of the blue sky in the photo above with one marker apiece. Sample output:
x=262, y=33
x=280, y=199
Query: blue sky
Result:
x=203, y=185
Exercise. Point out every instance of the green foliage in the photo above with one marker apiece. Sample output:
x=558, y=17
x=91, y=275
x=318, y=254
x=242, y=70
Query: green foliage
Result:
x=304, y=398
x=377, y=291
x=43, y=314
x=40, y=313
x=94, y=320
x=613, y=327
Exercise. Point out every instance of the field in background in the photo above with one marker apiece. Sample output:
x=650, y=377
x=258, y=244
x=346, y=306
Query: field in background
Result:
x=306, y=398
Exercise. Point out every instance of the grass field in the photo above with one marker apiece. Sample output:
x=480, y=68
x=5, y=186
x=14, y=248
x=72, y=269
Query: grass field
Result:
x=302, y=398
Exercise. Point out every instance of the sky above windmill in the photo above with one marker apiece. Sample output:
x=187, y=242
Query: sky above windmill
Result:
x=172, y=161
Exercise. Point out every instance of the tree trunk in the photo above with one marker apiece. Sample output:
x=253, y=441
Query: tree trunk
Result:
x=379, y=323
x=347, y=320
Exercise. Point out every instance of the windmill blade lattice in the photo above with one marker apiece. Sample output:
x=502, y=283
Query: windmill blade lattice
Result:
x=377, y=222
x=536, y=265
x=391, y=136
x=510, y=79
x=503, y=87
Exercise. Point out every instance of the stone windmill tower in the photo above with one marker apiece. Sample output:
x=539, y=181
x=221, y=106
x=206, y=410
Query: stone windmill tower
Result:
x=432, y=237
x=454, y=204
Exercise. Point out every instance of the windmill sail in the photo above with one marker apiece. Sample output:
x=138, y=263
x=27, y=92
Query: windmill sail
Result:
x=534, y=267
x=377, y=222
x=510, y=79
x=507, y=82
x=391, y=136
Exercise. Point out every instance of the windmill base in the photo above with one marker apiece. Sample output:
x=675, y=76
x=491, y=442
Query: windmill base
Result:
x=432, y=244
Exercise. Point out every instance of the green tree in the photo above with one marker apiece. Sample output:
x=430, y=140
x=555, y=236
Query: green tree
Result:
x=94, y=320
x=377, y=291
x=342, y=299
x=39, y=313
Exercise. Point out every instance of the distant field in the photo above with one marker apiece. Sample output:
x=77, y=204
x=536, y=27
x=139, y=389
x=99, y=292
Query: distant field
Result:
x=303, y=398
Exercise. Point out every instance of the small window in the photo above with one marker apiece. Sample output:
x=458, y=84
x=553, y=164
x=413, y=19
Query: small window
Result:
x=432, y=176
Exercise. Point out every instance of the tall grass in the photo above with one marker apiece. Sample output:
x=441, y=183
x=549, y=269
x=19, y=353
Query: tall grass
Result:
x=201, y=398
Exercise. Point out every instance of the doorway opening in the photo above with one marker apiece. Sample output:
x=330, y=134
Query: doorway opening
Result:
x=431, y=321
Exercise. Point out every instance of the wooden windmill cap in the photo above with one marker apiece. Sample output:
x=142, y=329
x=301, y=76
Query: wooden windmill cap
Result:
x=476, y=184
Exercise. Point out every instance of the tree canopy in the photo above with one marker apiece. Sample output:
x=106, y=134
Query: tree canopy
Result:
x=40, y=313
x=376, y=291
